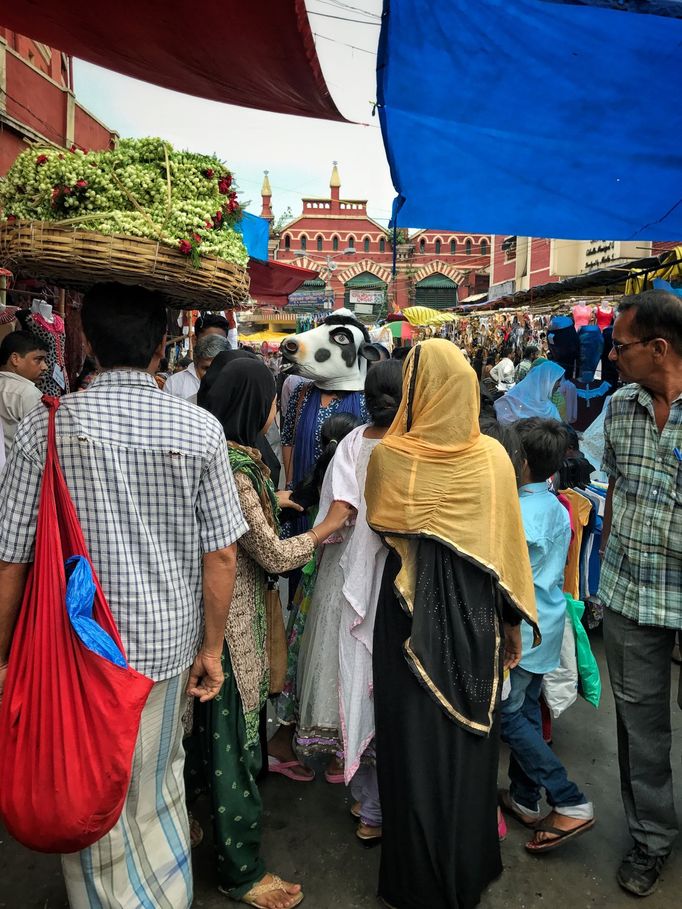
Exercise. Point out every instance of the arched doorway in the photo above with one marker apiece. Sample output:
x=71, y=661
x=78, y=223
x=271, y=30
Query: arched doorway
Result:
x=365, y=295
x=436, y=291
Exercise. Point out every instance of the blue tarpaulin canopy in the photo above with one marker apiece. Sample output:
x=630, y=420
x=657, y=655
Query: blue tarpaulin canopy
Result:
x=535, y=117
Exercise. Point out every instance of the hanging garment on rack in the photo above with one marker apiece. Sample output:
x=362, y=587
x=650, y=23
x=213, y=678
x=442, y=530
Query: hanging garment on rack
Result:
x=591, y=398
x=564, y=346
x=591, y=347
x=55, y=381
x=604, y=316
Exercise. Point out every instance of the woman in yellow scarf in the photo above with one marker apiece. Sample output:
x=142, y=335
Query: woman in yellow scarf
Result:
x=456, y=585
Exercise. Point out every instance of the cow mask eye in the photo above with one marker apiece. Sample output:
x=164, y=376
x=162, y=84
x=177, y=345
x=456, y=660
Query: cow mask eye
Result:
x=341, y=337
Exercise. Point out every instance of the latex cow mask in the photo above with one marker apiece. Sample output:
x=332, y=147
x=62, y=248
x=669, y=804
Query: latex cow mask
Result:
x=334, y=355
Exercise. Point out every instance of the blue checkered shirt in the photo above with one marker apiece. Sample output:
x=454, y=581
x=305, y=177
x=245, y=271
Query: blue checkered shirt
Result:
x=641, y=575
x=151, y=481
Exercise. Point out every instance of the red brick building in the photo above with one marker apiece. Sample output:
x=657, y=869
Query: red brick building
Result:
x=353, y=256
x=38, y=103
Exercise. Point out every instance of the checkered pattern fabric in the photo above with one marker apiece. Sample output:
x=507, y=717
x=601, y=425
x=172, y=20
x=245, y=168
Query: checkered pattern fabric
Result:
x=151, y=481
x=641, y=575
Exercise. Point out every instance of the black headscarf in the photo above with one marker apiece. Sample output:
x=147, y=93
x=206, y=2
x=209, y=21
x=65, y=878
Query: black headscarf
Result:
x=214, y=370
x=241, y=397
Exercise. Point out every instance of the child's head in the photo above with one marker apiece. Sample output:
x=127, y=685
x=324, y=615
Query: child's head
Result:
x=545, y=443
x=573, y=450
x=383, y=391
x=510, y=440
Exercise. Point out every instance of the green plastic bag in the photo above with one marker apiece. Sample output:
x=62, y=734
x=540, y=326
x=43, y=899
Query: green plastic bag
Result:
x=588, y=670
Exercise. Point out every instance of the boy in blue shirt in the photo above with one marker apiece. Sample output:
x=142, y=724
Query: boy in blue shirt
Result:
x=533, y=766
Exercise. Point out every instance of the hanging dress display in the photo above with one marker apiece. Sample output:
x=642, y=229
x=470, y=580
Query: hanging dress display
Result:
x=55, y=381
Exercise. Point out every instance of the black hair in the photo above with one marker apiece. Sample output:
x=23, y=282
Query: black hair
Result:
x=529, y=350
x=573, y=440
x=163, y=364
x=19, y=342
x=400, y=353
x=348, y=320
x=123, y=324
x=658, y=314
x=545, y=443
x=183, y=363
x=383, y=391
x=307, y=492
x=510, y=440
x=211, y=320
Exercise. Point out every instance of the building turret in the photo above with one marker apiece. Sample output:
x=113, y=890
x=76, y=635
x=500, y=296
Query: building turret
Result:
x=266, y=195
x=335, y=183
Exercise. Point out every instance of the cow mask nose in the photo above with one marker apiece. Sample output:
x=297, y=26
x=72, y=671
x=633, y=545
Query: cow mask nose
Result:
x=290, y=346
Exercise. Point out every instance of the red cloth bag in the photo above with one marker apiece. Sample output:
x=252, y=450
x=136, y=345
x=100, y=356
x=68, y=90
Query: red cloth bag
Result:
x=69, y=717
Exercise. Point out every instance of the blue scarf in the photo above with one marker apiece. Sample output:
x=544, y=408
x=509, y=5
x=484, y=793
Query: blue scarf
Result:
x=306, y=438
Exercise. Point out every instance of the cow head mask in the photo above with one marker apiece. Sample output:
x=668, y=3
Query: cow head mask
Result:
x=334, y=355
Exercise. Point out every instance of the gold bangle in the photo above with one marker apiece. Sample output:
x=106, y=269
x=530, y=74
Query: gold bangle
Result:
x=315, y=538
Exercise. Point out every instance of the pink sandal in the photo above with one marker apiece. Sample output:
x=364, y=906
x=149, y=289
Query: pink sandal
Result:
x=334, y=777
x=285, y=768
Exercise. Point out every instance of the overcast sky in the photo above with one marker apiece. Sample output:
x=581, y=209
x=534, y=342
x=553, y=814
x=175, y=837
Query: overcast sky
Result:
x=297, y=151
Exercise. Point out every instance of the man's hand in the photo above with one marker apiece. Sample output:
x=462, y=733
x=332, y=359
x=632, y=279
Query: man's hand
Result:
x=3, y=676
x=512, y=646
x=206, y=676
x=285, y=500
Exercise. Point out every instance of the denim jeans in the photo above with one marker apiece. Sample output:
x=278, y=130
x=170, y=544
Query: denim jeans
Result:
x=533, y=765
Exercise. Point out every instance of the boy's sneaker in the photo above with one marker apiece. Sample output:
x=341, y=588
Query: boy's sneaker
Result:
x=639, y=872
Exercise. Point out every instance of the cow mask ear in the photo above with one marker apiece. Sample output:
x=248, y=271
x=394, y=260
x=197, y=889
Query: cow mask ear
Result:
x=370, y=352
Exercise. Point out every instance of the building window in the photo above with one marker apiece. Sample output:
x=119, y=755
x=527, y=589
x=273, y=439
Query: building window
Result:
x=467, y=247
x=351, y=242
x=365, y=244
x=382, y=245
x=304, y=242
x=287, y=242
x=484, y=247
x=422, y=246
x=335, y=244
x=319, y=243
x=438, y=246
x=453, y=247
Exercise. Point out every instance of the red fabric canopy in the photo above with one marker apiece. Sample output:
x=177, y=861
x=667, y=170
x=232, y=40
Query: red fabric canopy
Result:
x=258, y=55
x=272, y=282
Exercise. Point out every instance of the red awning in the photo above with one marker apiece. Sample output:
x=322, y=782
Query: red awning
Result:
x=272, y=282
x=258, y=55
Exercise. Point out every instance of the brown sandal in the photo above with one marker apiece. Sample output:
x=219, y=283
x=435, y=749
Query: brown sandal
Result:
x=560, y=836
x=265, y=887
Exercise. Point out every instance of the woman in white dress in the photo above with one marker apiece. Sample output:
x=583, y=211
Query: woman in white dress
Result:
x=335, y=662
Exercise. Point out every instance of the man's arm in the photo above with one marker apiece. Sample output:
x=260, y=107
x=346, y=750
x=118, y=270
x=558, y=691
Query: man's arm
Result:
x=206, y=676
x=12, y=583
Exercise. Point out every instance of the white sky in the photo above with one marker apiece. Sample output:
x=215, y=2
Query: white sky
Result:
x=297, y=151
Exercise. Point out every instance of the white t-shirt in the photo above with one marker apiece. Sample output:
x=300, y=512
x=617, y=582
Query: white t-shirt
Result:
x=183, y=384
x=17, y=396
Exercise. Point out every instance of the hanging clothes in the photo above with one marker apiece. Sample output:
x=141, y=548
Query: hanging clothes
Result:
x=581, y=509
x=604, y=314
x=55, y=381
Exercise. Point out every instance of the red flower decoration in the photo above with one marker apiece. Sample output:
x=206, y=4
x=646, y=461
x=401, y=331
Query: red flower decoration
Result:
x=185, y=247
x=41, y=159
x=81, y=184
x=218, y=216
x=197, y=238
x=11, y=219
x=233, y=205
x=208, y=173
x=224, y=184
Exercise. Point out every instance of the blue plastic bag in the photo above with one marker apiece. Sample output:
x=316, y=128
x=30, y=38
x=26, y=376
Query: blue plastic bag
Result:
x=80, y=596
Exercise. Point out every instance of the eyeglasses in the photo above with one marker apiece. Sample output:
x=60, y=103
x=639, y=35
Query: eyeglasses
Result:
x=619, y=346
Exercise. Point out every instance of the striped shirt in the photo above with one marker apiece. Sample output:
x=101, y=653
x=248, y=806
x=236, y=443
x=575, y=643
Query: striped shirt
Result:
x=641, y=575
x=151, y=481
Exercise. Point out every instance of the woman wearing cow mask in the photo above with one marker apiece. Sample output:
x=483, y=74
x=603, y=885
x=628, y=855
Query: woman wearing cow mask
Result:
x=456, y=585
x=242, y=397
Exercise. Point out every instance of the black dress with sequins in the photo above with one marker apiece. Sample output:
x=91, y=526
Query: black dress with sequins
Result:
x=437, y=778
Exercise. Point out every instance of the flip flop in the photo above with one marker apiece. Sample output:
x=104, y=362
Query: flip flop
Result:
x=562, y=836
x=356, y=810
x=507, y=804
x=501, y=828
x=334, y=777
x=285, y=768
x=368, y=836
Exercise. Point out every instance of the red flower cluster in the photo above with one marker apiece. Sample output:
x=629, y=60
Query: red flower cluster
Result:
x=232, y=204
x=208, y=173
x=217, y=219
x=41, y=159
x=196, y=238
x=224, y=184
x=82, y=184
x=11, y=219
x=185, y=247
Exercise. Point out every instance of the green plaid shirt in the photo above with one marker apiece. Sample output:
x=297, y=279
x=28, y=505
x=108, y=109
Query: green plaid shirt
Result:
x=641, y=575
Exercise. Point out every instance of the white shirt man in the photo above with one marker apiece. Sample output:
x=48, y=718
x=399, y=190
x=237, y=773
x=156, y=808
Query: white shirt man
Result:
x=22, y=363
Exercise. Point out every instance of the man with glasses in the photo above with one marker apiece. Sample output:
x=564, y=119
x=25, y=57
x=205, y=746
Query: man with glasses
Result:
x=641, y=578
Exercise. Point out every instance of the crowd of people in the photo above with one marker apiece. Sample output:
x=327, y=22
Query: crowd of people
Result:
x=415, y=514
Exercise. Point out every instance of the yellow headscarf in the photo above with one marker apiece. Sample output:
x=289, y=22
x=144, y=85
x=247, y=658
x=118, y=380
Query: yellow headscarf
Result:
x=435, y=475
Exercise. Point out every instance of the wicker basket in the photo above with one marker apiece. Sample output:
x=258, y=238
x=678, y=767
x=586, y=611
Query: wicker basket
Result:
x=76, y=258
